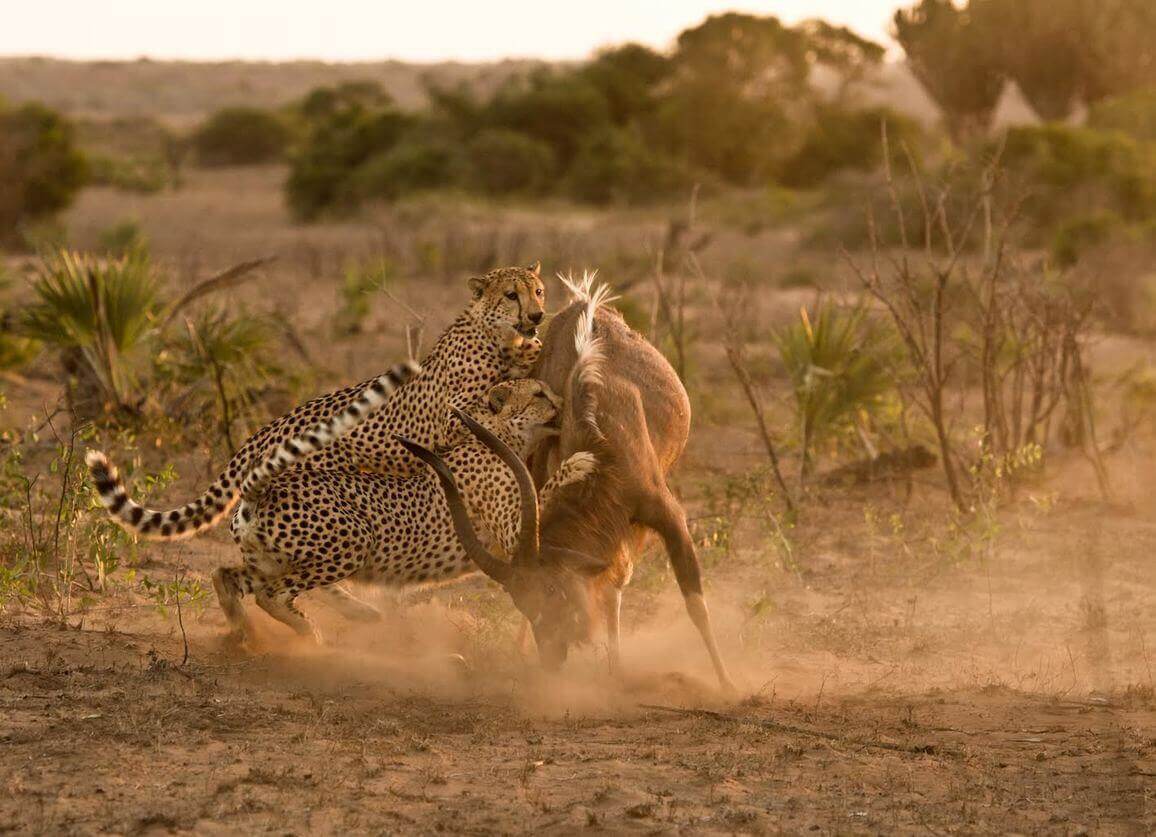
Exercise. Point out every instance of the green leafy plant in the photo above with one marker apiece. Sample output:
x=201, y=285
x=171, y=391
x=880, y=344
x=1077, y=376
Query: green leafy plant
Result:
x=358, y=284
x=15, y=349
x=100, y=313
x=506, y=162
x=835, y=359
x=240, y=136
x=226, y=358
x=58, y=548
x=123, y=238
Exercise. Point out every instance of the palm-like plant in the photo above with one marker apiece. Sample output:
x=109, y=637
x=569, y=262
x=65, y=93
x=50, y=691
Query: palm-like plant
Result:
x=231, y=351
x=836, y=361
x=101, y=312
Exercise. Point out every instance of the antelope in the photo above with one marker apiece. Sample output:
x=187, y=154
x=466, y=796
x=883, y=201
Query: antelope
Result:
x=625, y=405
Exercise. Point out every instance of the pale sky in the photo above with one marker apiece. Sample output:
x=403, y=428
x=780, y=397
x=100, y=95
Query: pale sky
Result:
x=365, y=30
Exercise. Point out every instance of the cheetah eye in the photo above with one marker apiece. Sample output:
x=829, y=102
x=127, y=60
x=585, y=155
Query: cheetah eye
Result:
x=512, y=295
x=537, y=292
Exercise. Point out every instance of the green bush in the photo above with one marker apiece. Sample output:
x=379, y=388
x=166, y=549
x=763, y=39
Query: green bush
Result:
x=559, y=109
x=340, y=141
x=613, y=165
x=41, y=169
x=841, y=139
x=240, y=136
x=1075, y=236
x=1069, y=170
x=504, y=162
x=1133, y=114
x=411, y=165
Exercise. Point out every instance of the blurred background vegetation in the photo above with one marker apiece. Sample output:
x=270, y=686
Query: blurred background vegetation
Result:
x=739, y=102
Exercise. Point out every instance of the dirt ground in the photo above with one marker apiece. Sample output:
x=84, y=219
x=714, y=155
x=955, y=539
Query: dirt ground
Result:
x=866, y=706
x=895, y=675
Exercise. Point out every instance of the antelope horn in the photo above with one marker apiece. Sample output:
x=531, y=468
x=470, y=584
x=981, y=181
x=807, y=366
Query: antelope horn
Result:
x=527, y=549
x=496, y=569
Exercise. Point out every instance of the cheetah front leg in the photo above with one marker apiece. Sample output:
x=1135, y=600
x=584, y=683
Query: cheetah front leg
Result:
x=578, y=466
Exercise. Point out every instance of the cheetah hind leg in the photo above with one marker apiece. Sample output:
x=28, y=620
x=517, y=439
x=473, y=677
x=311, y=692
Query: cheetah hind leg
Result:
x=350, y=606
x=230, y=583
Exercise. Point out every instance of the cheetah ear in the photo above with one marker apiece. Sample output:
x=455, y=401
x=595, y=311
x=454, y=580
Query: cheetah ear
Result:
x=536, y=269
x=477, y=286
x=499, y=395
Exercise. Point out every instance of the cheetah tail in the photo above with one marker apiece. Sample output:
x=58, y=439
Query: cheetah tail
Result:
x=219, y=498
x=371, y=399
x=184, y=522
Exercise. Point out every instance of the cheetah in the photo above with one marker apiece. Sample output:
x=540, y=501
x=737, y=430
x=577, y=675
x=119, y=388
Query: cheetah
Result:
x=312, y=528
x=493, y=340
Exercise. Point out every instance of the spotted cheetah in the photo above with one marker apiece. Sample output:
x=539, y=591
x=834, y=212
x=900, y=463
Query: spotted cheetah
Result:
x=494, y=339
x=312, y=528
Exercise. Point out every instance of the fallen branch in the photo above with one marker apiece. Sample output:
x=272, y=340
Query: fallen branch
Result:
x=924, y=749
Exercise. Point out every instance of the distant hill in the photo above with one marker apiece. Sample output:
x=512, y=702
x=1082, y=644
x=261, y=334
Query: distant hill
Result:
x=181, y=92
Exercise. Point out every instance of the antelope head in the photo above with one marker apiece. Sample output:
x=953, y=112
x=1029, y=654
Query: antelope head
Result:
x=548, y=584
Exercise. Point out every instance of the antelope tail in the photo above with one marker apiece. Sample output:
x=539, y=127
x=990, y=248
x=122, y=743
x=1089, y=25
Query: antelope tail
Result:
x=584, y=385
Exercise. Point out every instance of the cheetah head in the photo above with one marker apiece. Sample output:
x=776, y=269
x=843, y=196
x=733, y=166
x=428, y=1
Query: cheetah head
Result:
x=529, y=406
x=510, y=296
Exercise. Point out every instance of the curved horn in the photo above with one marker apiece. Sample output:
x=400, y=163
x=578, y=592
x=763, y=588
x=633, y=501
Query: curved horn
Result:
x=498, y=570
x=527, y=549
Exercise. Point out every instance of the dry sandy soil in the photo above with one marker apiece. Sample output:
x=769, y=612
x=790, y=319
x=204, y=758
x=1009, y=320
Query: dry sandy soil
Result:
x=867, y=707
x=895, y=675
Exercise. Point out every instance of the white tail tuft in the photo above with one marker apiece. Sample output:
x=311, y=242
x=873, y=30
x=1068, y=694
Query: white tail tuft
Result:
x=587, y=372
x=579, y=288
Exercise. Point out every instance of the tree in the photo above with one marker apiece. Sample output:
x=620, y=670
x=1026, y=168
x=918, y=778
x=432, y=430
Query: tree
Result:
x=1117, y=47
x=840, y=49
x=736, y=80
x=628, y=77
x=40, y=167
x=953, y=62
x=557, y=108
